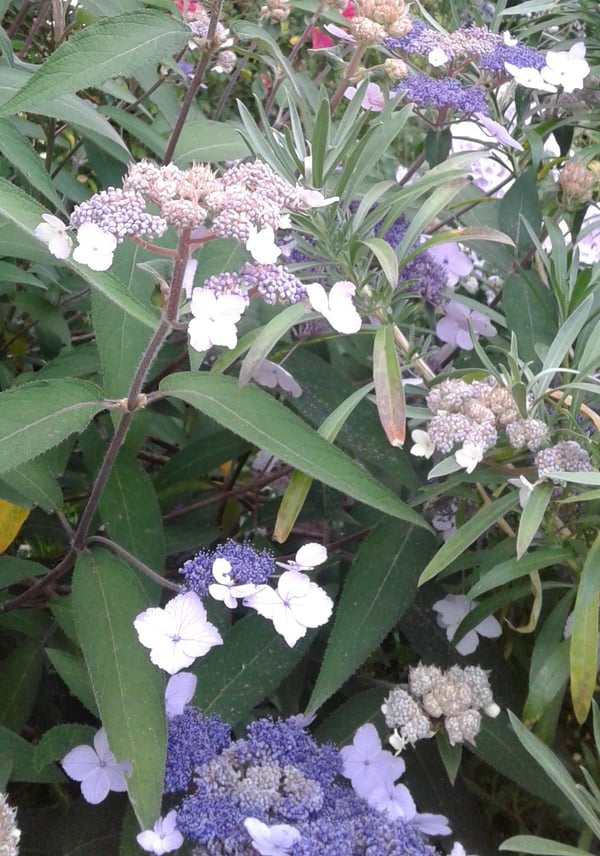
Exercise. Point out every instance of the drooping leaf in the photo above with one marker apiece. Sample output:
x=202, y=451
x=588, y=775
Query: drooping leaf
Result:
x=129, y=690
x=380, y=586
x=532, y=516
x=268, y=424
x=584, y=637
x=389, y=391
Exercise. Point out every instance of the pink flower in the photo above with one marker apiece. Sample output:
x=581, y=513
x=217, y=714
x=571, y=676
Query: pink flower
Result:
x=96, y=769
x=453, y=327
x=373, y=99
x=320, y=39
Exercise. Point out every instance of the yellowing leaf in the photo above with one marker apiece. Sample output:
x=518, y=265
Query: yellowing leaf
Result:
x=12, y=518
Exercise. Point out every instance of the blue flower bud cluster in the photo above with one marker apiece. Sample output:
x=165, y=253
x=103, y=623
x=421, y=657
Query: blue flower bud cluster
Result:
x=248, y=565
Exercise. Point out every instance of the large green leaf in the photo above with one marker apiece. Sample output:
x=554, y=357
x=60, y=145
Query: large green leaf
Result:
x=38, y=416
x=128, y=689
x=380, y=586
x=521, y=205
x=18, y=150
x=584, y=638
x=209, y=142
x=71, y=669
x=20, y=674
x=235, y=677
x=110, y=47
x=530, y=312
x=268, y=424
x=35, y=483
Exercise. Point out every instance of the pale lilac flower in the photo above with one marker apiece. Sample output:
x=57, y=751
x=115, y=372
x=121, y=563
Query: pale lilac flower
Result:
x=337, y=306
x=275, y=840
x=496, y=131
x=177, y=634
x=451, y=611
x=530, y=78
x=215, y=319
x=53, y=232
x=373, y=99
x=271, y=374
x=456, y=263
x=340, y=33
x=314, y=198
x=397, y=803
x=225, y=589
x=469, y=455
x=164, y=837
x=97, y=769
x=95, y=247
x=366, y=764
x=293, y=607
x=566, y=68
x=308, y=557
x=589, y=244
x=424, y=447
x=453, y=327
x=179, y=692
x=261, y=245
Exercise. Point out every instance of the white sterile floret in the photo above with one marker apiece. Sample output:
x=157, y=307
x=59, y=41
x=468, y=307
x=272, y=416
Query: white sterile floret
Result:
x=424, y=447
x=566, y=68
x=293, y=607
x=450, y=612
x=96, y=247
x=97, y=769
x=314, y=198
x=469, y=456
x=53, y=232
x=437, y=57
x=179, y=692
x=261, y=245
x=309, y=556
x=275, y=840
x=525, y=488
x=215, y=319
x=530, y=78
x=164, y=837
x=337, y=306
x=225, y=589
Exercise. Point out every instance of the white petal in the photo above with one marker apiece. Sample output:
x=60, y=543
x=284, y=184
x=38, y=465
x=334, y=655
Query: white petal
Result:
x=311, y=555
x=96, y=786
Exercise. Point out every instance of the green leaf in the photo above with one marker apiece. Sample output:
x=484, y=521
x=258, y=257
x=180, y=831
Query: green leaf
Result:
x=437, y=146
x=128, y=689
x=547, y=682
x=38, y=416
x=584, y=638
x=71, y=669
x=209, y=142
x=380, y=586
x=56, y=742
x=111, y=47
x=14, y=570
x=564, y=339
x=531, y=313
x=22, y=754
x=541, y=846
x=467, y=534
x=557, y=773
x=268, y=337
x=20, y=674
x=389, y=391
x=386, y=257
x=532, y=516
x=268, y=424
x=518, y=206
x=36, y=484
x=20, y=153
x=235, y=677
x=513, y=569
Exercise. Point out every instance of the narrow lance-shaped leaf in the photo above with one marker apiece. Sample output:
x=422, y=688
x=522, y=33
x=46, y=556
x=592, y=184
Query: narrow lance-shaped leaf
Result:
x=38, y=416
x=532, y=516
x=389, y=391
x=299, y=484
x=268, y=424
x=584, y=637
x=110, y=47
x=268, y=337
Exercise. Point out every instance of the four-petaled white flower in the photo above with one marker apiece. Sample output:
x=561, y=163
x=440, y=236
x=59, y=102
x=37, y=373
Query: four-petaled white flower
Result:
x=453, y=326
x=96, y=247
x=469, y=455
x=97, y=769
x=396, y=802
x=337, y=306
x=530, y=78
x=177, y=634
x=179, y=692
x=525, y=488
x=261, y=245
x=424, y=447
x=451, y=611
x=53, y=232
x=366, y=764
x=437, y=57
x=271, y=374
x=164, y=837
x=226, y=589
x=275, y=840
x=566, y=68
x=215, y=319
x=293, y=607
x=309, y=556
